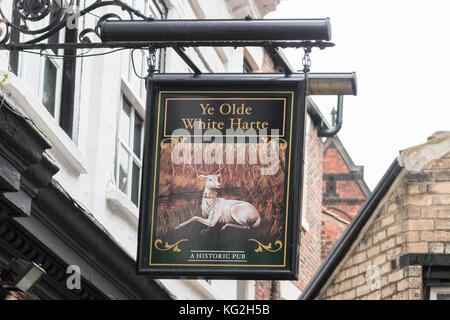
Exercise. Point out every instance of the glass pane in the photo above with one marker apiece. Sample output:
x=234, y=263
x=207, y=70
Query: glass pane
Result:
x=137, y=136
x=135, y=184
x=125, y=122
x=49, y=87
x=123, y=169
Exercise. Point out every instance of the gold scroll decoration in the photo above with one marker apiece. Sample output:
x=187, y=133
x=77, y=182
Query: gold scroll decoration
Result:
x=171, y=141
x=283, y=143
x=267, y=247
x=168, y=246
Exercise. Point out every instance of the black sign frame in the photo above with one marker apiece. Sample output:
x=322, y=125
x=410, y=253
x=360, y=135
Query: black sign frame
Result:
x=239, y=82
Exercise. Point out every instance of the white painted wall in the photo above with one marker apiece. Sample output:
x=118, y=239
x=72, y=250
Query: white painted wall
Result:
x=87, y=168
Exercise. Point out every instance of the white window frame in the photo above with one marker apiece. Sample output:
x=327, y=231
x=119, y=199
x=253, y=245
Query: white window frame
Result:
x=57, y=63
x=132, y=157
x=434, y=291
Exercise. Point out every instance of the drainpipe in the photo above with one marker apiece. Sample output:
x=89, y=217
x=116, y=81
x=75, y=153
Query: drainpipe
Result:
x=325, y=132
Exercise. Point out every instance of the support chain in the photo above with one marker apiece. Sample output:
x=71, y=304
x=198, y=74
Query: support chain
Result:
x=306, y=62
x=151, y=62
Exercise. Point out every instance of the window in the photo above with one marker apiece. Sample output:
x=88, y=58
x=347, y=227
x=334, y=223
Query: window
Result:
x=129, y=151
x=43, y=74
x=54, y=80
x=330, y=186
x=437, y=293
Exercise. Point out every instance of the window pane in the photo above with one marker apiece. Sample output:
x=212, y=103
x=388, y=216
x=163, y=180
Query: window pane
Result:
x=135, y=184
x=123, y=169
x=137, y=136
x=49, y=87
x=125, y=123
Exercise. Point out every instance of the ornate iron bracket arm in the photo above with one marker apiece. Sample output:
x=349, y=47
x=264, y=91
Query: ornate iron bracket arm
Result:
x=41, y=19
x=30, y=12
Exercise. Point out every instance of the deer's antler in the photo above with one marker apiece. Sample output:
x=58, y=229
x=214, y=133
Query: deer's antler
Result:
x=198, y=171
x=221, y=167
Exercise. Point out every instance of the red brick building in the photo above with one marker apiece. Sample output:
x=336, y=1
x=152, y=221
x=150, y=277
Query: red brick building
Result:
x=344, y=188
x=344, y=192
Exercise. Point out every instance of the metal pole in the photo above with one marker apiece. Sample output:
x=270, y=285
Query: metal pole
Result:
x=216, y=30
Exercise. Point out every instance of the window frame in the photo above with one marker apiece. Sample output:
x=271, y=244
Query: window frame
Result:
x=57, y=63
x=129, y=149
x=58, y=85
x=68, y=82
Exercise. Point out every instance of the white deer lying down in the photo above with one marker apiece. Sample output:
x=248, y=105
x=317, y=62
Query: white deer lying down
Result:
x=233, y=213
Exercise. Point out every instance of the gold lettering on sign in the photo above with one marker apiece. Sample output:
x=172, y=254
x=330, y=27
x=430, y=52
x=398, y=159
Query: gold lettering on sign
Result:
x=225, y=109
x=233, y=109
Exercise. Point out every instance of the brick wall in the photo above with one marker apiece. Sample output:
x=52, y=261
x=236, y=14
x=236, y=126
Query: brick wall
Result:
x=333, y=227
x=263, y=290
x=267, y=290
x=310, y=245
x=351, y=207
x=333, y=162
x=348, y=197
x=413, y=218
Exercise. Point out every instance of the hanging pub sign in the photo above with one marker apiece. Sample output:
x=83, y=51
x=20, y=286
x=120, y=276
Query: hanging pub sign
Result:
x=222, y=177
